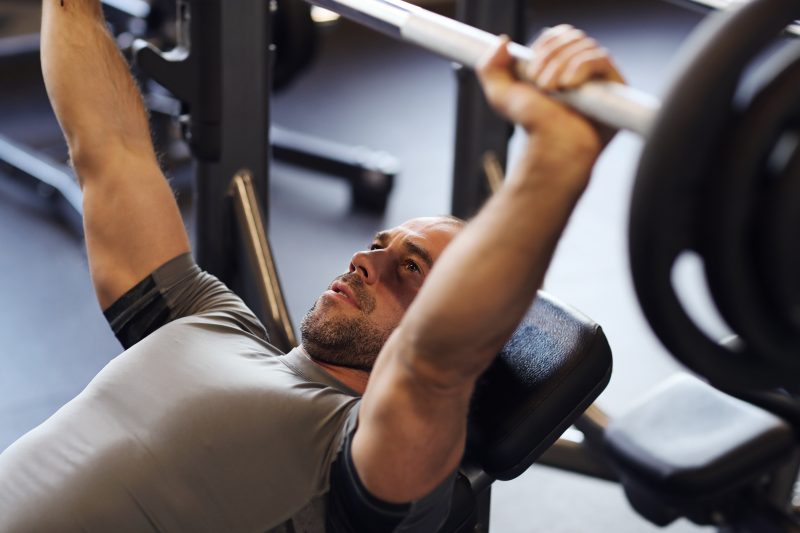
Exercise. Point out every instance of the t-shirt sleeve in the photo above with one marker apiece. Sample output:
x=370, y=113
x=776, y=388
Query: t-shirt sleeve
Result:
x=352, y=509
x=177, y=289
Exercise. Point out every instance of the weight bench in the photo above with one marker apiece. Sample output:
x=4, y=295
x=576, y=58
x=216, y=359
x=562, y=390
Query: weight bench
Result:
x=553, y=367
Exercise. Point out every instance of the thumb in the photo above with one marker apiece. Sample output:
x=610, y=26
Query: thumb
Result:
x=519, y=102
x=495, y=74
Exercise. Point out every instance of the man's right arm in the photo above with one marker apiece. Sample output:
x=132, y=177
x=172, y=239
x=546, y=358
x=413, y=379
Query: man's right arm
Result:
x=413, y=418
x=132, y=221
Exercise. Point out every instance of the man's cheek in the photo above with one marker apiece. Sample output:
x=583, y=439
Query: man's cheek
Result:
x=401, y=296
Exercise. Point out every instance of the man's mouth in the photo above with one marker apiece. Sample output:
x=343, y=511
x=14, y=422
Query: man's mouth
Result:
x=341, y=290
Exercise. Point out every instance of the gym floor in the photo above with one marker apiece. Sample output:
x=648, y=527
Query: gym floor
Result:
x=363, y=89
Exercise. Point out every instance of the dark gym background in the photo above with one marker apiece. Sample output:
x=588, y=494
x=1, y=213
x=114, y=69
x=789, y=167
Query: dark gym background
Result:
x=363, y=89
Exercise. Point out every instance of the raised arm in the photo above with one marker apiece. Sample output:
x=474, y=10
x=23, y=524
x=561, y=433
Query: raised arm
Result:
x=413, y=416
x=132, y=222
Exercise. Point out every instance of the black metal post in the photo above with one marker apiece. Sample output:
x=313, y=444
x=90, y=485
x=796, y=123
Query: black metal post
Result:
x=244, y=140
x=484, y=505
x=478, y=128
x=221, y=72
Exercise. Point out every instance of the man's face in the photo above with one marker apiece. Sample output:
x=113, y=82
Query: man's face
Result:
x=351, y=321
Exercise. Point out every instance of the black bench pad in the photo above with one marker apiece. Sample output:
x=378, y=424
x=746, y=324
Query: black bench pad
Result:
x=554, y=366
x=688, y=447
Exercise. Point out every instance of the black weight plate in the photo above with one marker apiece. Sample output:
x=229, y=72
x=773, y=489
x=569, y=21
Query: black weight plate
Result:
x=683, y=145
x=737, y=201
x=780, y=252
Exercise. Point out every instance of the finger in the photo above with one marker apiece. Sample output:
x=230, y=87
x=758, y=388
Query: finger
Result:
x=494, y=73
x=549, y=34
x=589, y=64
x=497, y=58
x=548, y=79
x=546, y=50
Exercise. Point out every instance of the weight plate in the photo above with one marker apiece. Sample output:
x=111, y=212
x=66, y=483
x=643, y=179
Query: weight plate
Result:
x=780, y=252
x=735, y=238
x=683, y=145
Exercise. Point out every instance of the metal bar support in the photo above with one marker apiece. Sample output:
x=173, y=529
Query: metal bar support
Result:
x=478, y=128
x=577, y=457
x=251, y=226
x=54, y=181
x=484, y=505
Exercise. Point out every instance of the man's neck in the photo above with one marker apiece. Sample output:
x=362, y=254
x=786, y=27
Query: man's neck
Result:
x=352, y=377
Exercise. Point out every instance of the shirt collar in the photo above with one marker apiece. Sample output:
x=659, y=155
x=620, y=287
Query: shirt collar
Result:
x=299, y=361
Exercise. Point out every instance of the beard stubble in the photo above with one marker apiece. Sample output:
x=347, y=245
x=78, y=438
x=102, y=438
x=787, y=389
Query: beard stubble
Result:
x=348, y=341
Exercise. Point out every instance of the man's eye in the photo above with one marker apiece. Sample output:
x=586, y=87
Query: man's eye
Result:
x=375, y=247
x=411, y=266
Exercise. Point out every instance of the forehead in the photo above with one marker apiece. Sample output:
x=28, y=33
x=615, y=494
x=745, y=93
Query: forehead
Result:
x=432, y=233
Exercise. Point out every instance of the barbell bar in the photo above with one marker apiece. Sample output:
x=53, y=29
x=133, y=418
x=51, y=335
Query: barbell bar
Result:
x=613, y=104
x=715, y=5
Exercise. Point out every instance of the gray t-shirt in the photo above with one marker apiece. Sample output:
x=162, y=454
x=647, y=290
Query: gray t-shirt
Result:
x=201, y=426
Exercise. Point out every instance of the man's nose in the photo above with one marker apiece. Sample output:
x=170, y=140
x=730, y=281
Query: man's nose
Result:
x=368, y=265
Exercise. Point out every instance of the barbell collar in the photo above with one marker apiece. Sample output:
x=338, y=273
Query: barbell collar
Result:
x=613, y=104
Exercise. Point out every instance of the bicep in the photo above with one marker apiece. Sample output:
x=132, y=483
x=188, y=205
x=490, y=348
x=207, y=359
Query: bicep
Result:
x=132, y=224
x=411, y=433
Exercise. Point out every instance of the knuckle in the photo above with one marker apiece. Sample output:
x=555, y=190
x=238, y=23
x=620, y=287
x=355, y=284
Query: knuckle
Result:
x=550, y=34
x=577, y=33
x=602, y=52
x=560, y=28
x=592, y=57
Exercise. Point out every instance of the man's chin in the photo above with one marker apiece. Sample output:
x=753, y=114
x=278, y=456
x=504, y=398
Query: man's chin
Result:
x=343, y=355
x=339, y=338
x=358, y=362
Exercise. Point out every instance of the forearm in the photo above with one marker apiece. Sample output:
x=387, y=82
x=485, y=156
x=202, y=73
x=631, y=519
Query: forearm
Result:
x=95, y=99
x=485, y=281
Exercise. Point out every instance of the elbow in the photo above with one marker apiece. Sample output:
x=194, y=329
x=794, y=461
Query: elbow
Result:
x=84, y=161
x=94, y=160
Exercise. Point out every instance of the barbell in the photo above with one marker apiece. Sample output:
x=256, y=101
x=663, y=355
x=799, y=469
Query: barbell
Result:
x=613, y=104
x=710, y=180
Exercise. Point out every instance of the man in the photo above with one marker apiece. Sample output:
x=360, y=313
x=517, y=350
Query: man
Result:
x=201, y=425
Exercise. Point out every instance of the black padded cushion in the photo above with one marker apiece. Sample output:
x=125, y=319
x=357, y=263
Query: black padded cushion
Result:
x=554, y=366
x=687, y=437
x=687, y=447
